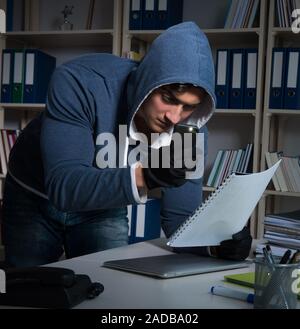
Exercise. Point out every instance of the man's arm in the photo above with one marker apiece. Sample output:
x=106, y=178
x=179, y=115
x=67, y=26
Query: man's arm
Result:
x=72, y=181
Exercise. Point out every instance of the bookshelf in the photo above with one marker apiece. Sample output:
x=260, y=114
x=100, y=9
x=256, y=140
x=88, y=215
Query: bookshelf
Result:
x=40, y=29
x=280, y=127
x=228, y=128
x=36, y=25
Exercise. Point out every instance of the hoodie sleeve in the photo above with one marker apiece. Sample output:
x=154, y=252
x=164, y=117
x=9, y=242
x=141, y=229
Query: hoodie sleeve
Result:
x=179, y=203
x=72, y=182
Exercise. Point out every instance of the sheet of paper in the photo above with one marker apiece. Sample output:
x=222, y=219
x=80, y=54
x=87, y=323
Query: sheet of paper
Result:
x=224, y=213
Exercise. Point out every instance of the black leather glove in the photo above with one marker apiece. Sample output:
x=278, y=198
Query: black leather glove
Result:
x=169, y=177
x=236, y=249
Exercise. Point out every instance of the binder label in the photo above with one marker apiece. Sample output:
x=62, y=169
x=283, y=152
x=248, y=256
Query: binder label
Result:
x=277, y=70
x=251, y=73
x=140, y=220
x=162, y=5
x=6, y=68
x=2, y=282
x=29, y=69
x=135, y=5
x=149, y=5
x=293, y=70
x=237, y=71
x=18, y=67
x=222, y=60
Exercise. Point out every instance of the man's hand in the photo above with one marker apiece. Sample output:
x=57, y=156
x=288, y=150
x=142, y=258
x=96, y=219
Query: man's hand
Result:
x=236, y=249
x=169, y=177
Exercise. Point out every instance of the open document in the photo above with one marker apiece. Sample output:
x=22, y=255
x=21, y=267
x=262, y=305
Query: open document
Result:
x=225, y=212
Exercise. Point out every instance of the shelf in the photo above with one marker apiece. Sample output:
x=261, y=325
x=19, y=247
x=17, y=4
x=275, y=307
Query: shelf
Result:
x=235, y=112
x=284, y=112
x=59, y=39
x=286, y=32
x=23, y=107
x=278, y=193
x=212, y=34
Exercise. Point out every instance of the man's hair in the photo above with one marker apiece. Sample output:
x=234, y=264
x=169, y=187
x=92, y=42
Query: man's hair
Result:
x=179, y=88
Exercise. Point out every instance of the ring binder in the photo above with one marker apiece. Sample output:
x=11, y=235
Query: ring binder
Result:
x=225, y=212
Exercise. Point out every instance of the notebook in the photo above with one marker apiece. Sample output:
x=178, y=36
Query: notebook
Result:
x=173, y=265
x=242, y=279
x=225, y=212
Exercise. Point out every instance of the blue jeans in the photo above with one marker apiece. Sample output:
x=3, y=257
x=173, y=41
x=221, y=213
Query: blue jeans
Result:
x=34, y=232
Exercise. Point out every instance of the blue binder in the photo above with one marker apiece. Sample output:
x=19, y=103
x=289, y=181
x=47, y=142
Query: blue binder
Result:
x=168, y=13
x=236, y=89
x=222, y=78
x=150, y=222
x=7, y=75
x=292, y=79
x=276, y=100
x=39, y=67
x=149, y=14
x=251, y=56
x=9, y=15
x=135, y=15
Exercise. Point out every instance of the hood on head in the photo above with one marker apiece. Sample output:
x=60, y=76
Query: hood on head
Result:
x=181, y=54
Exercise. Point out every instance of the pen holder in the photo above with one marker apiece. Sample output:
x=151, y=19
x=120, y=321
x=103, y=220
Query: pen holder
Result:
x=276, y=285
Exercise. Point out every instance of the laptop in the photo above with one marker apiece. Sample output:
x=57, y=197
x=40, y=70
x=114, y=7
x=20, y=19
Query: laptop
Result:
x=174, y=265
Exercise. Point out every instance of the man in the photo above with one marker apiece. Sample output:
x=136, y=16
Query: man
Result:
x=58, y=198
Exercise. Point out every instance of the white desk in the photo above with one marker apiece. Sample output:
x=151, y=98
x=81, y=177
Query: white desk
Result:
x=123, y=290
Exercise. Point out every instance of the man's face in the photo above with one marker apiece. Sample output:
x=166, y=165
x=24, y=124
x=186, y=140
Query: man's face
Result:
x=162, y=109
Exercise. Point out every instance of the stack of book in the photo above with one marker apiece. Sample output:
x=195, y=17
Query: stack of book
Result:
x=287, y=176
x=26, y=75
x=154, y=14
x=7, y=139
x=284, y=10
x=284, y=70
x=228, y=162
x=236, y=78
x=282, y=231
x=241, y=14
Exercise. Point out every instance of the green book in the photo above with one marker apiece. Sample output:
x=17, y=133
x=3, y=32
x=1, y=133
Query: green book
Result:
x=243, y=279
x=18, y=76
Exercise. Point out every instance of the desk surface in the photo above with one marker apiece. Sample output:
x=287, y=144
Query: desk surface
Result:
x=123, y=290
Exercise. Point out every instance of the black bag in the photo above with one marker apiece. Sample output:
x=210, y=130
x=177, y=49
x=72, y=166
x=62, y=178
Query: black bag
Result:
x=47, y=287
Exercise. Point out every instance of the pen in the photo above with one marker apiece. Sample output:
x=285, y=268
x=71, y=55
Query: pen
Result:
x=270, y=253
x=232, y=293
x=268, y=256
x=285, y=257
